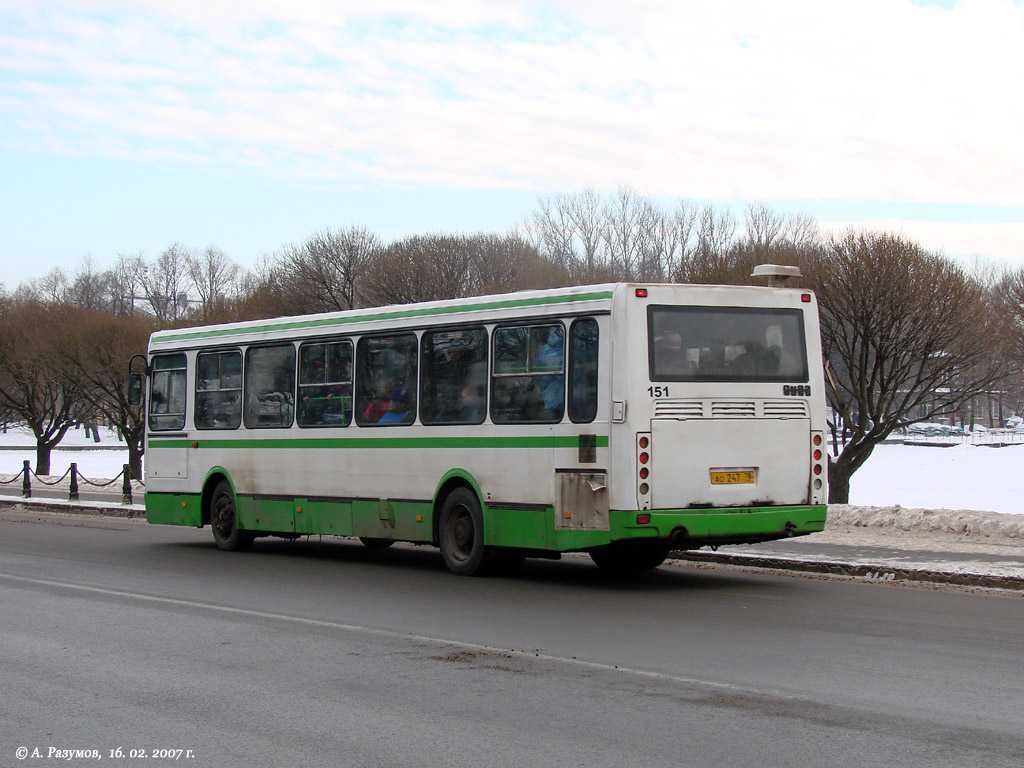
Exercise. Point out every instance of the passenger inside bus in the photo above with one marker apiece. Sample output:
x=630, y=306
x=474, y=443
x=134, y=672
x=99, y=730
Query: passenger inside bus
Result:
x=399, y=408
x=550, y=358
x=472, y=403
x=380, y=403
x=670, y=356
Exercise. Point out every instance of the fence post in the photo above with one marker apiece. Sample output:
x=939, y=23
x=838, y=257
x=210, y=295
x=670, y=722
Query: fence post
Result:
x=73, y=494
x=126, y=487
x=26, y=483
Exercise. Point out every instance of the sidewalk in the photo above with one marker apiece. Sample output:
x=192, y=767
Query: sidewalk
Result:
x=843, y=549
x=886, y=554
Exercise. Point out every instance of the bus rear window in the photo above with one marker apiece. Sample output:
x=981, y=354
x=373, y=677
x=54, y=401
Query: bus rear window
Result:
x=726, y=344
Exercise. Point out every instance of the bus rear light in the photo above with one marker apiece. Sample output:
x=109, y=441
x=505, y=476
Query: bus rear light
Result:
x=817, y=454
x=644, y=457
x=644, y=489
x=816, y=439
x=644, y=472
x=644, y=519
x=643, y=442
x=817, y=469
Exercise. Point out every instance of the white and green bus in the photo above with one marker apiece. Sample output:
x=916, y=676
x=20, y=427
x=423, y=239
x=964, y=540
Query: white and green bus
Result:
x=620, y=420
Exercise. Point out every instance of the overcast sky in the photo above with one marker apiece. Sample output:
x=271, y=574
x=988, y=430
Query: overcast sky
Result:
x=126, y=125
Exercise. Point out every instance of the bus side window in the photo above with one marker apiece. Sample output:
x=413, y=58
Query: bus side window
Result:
x=583, y=370
x=453, y=388
x=386, y=380
x=325, y=384
x=269, y=386
x=528, y=374
x=219, y=390
x=167, y=393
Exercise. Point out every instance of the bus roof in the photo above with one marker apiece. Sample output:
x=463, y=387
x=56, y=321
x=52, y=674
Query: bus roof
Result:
x=580, y=298
x=595, y=296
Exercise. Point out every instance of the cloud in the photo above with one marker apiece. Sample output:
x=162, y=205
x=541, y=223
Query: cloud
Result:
x=881, y=99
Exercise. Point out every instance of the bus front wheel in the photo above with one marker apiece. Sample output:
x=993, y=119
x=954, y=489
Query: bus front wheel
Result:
x=460, y=533
x=224, y=520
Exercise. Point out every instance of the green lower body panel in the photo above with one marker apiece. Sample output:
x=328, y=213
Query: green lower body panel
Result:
x=174, y=509
x=524, y=528
x=720, y=526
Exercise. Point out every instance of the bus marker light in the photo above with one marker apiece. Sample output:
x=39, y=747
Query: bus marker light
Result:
x=419, y=518
x=567, y=515
x=195, y=445
x=641, y=293
x=805, y=298
x=643, y=519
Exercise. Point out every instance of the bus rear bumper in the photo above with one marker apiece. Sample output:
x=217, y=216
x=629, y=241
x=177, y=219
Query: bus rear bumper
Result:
x=691, y=528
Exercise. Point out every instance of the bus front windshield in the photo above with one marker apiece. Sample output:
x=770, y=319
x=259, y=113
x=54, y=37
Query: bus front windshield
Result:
x=726, y=344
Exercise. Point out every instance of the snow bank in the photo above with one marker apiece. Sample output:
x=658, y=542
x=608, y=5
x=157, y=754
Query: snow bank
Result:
x=965, y=522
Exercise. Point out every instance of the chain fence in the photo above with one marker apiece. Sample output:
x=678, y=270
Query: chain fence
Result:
x=26, y=474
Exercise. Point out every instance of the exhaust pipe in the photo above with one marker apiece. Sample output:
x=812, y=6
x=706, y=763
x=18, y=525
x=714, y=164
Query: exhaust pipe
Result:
x=678, y=536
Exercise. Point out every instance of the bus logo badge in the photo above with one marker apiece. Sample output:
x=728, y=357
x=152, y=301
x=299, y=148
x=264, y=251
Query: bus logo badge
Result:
x=790, y=390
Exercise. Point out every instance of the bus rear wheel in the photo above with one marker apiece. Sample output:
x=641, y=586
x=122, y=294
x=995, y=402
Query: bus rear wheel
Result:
x=460, y=533
x=224, y=520
x=630, y=555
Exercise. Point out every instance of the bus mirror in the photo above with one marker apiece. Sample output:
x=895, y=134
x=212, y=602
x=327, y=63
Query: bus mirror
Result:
x=134, y=388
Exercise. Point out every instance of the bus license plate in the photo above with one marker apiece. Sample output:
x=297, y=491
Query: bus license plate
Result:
x=732, y=477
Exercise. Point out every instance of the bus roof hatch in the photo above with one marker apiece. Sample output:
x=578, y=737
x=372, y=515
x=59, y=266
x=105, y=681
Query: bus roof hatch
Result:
x=777, y=274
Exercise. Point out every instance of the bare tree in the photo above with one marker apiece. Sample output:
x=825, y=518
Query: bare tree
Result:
x=90, y=286
x=35, y=386
x=801, y=231
x=569, y=231
x=762, y=229
x=637, y=236
x=214, y=277
x=165, y=283
x=420, y=268
x=125, y=284
x=52, y=287
x=323, y=273
x=715, y=257
x=97, y=349
x=907, y=336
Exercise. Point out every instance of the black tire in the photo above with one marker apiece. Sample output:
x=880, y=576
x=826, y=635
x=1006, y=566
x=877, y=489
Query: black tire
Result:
x=630, y=556
x=460, y=533
x=371, y=543
x=224, y=520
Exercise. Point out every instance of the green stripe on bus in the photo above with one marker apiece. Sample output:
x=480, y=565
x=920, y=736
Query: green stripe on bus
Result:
x=393, y=315
x=528, y=441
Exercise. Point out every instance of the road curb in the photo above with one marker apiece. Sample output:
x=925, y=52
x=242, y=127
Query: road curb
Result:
x=93, y=508
x=860, y=570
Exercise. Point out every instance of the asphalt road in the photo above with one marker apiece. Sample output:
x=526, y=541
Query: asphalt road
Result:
x=119, y=635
